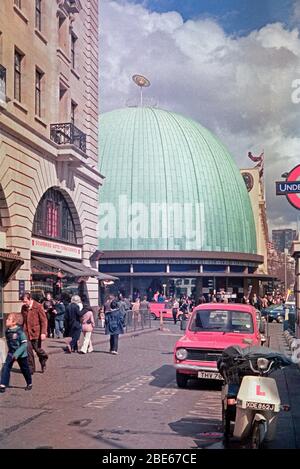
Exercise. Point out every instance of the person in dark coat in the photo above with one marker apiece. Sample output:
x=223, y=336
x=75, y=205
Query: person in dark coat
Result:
x=59, y=317
x=48, y=306
x=72, y=323
x=114, y=325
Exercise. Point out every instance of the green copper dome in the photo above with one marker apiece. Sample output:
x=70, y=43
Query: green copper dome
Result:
x=169, y=184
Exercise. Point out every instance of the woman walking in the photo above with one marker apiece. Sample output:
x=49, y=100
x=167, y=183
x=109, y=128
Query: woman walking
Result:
x=88, y=324
x=114, y=325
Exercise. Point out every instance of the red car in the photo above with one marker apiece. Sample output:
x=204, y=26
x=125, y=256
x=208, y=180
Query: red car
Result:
x=212, y=327
x=166, y=308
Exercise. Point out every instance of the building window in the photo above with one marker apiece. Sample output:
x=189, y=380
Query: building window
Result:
x=53, y=218
x=18, y=3
x=73, y=112
x=38, y=92
x=38, y=14
x=73, y=52
x=18, y=75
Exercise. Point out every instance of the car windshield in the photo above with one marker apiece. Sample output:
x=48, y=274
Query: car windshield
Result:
x=222, y=321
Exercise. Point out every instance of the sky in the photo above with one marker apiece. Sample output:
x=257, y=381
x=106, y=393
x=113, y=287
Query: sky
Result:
x=231, y=65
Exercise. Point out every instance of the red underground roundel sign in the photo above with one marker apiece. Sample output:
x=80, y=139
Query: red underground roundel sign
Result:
x=291, y=187
x=294, y=175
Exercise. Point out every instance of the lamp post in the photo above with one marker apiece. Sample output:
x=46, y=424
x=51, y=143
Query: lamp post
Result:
x=285, y=269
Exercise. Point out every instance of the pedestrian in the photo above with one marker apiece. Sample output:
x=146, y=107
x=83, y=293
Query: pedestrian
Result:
x=101, y=316
x=87, y=324
x=72, y=323
x=175, y=307
x=48, y=306
x=60, y=310
x=144, y=310
x=35, y=327
x=17, y=351
x=136, y=311
x=114, y=326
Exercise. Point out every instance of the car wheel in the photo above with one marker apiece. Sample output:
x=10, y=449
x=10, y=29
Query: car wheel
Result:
x=179, y=317
x=280, y=319
x=153, y=316
x=181, y=380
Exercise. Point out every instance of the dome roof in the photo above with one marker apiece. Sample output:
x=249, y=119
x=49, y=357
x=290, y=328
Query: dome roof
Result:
x=184, y=188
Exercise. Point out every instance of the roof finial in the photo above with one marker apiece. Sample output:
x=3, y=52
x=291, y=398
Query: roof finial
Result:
x=142, y=82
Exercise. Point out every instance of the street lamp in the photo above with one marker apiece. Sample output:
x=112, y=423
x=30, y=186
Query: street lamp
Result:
x=285, y=269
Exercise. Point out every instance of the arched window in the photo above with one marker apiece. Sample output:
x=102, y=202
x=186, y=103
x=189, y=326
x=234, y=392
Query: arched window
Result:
x=53, y=218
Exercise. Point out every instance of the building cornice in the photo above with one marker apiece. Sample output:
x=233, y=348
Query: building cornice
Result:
x=201, y=255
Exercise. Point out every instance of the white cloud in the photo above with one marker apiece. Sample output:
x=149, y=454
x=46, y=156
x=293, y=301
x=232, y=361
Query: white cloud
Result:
x=240, y=88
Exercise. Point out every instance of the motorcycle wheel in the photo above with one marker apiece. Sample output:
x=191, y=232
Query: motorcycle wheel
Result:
x=257, y=435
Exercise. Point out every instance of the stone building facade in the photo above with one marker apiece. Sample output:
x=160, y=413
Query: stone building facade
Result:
x=49, y=178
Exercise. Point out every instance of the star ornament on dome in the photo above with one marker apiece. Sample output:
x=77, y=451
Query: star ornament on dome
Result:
x=140, y=80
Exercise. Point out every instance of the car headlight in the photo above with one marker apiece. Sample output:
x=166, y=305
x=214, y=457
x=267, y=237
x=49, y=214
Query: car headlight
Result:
x=181, y=354
x=262, y=363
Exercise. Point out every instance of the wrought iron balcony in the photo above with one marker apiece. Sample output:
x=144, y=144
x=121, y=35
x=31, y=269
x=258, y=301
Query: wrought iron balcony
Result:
x=68, y=133
x=2, y=82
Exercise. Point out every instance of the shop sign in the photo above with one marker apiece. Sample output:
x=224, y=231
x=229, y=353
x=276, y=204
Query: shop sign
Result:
x=21, y=288
x=45, y=246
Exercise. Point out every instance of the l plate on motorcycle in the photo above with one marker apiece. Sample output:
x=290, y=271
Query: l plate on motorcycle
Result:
x=260, y=406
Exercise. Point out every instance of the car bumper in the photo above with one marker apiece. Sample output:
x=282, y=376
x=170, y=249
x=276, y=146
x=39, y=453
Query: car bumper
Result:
x=194, y=368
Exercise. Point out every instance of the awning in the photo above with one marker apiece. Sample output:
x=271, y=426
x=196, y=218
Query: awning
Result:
x=76, y=269
x=88, y=271
x=58, y=265
x=11, y=263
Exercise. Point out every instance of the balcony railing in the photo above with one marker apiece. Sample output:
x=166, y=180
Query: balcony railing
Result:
x=2, y=82
x=68, y=133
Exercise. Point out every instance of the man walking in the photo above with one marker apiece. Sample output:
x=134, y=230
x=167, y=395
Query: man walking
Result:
x=35, y=327
x=144, y=311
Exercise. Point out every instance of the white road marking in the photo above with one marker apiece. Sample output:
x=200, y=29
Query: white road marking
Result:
x=104, y=401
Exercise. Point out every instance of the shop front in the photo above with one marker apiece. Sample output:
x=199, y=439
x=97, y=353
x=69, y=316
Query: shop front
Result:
x=57, y=268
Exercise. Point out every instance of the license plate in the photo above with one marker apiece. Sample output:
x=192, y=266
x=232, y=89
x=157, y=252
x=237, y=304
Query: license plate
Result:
x=209, y=375
x=260, y=406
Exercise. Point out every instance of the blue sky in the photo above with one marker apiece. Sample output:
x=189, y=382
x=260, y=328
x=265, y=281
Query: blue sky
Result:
x=232, y=67
x=237, y=17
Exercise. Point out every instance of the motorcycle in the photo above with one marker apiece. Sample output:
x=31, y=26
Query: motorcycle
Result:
x=250, y=399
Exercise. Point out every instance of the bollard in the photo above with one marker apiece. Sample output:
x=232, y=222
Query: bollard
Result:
x=286, y=316
x=161, y=321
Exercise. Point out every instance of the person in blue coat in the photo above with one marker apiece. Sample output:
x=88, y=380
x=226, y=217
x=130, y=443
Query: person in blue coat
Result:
x=114, y=325
x=17, y=351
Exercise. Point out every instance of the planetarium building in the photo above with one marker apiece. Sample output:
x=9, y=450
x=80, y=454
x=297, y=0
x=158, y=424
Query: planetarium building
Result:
x=175, y=214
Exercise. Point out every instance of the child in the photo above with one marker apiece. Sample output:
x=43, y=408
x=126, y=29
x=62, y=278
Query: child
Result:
x=17, y=350
x=101, y=317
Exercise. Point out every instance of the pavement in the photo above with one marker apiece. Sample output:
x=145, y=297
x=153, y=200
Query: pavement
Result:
x=288, y=382
x=57, y=345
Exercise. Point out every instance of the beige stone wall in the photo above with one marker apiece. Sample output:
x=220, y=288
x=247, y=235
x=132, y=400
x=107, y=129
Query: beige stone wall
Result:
x=258, y=203
x=30, y=163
